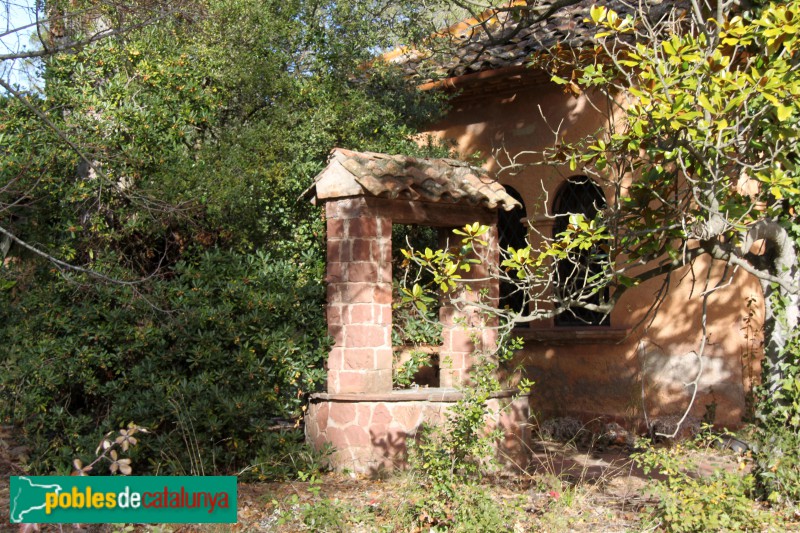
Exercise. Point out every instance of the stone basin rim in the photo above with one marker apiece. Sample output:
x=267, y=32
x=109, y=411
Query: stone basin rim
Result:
x=430, y=394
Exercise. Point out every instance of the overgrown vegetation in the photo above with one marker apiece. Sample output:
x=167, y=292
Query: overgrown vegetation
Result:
x=691, y=500
x=167, y=168
x=157, y=263
x=702, y=108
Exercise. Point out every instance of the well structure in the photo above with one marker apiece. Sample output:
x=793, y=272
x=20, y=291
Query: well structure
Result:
x=363, y=195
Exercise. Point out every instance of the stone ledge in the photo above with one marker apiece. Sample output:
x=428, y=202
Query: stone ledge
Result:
x=587, y=335
x=444, y=395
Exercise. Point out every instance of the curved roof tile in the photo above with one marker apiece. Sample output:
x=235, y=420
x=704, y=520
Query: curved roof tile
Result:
x=351, y=173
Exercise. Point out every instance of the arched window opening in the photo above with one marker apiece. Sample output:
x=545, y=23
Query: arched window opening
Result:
x=512, y=232
x=578, y=195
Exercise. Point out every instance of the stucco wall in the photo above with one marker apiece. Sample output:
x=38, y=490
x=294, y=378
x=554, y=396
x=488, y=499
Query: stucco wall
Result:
x=637, y=366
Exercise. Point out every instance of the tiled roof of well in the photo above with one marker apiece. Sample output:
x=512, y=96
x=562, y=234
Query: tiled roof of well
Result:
x=409, y=178
x=507, y=37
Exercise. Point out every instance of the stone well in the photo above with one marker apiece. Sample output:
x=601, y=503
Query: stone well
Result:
x=364, y=194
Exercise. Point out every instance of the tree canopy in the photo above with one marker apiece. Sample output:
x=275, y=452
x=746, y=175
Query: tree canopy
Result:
x=158, y=266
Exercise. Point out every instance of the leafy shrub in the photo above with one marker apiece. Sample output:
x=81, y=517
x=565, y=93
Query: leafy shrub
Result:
x=404, y=372
x=286, y=455
x=776, y=450
x=688, y=501
x=776, y=453
x=471, y=508
x=206, y=360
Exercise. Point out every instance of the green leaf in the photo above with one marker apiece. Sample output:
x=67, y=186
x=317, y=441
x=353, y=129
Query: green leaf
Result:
x=784, y=112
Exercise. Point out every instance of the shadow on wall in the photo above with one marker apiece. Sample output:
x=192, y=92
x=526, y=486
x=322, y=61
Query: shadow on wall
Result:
x=508, y=414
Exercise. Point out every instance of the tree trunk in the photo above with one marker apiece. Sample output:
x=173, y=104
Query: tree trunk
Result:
x=782, y=307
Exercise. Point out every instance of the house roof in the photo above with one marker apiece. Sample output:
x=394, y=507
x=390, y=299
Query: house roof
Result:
x=402, y=177
x=508, y=36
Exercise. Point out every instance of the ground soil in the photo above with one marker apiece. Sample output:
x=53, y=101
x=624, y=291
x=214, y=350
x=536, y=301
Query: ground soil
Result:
x=565, y=490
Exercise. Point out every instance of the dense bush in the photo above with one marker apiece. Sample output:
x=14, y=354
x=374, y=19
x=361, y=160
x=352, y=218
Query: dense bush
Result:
x=205, y=360
x=191, y=139
x=777, y=464
x=690, y=501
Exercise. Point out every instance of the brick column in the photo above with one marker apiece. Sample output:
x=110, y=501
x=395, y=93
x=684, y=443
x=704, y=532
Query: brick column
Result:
x=463, y=323
x=359, y=297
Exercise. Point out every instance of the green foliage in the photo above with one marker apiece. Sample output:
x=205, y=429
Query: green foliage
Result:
x=404, y=372
x=448, y=459
x=194, y=135
x=471, y=508
x=776, y=457
x=701, y=98
x=689, y=500
x=706, y=121
x=285, y=455
x=234, y=341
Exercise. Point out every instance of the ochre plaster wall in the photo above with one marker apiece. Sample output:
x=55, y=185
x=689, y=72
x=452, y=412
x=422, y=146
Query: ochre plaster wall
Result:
x=639, y=366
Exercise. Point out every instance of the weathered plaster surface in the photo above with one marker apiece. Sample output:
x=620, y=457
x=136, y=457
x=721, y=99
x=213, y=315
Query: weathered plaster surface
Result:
x=646, y=364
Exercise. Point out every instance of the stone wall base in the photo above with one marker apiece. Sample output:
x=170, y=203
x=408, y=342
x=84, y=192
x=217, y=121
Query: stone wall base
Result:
x=369, y=432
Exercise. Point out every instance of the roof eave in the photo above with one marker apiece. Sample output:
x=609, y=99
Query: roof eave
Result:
x=466, y=81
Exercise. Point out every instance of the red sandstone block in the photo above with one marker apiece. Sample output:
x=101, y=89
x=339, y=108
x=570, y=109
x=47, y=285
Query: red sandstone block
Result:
x=332, y=291
x=381, y=415
x=385, y=272
x=383, y=358
x=446, y=378
x=378, y=434
x=337, y=438
x=346, y=253
x=384, y=251
x=334, y=250
x=357, y=436
x=351, y=382
x=363, y=414
x=489, y=339
x=454, y=361
x=333, y=380
x=362, y=250
x=321, y=416
x=365, y=381
x=342, y=413
x=452, y=378
x=336, y=359
x=335, y=272
x=311, y=429
x=362, y=272
x=385, y=226
x=363, y=228
x=359, y=359
x=408, y=417
x=446, y=314
x=365, y=336
x=335, y=228
x=337, y=332
x=331, y=210
x=382, y=293
x=382, y=314
x=360, y=314
x=335, y=314
x=353, y=292
x=457, y=340
x=351, y=208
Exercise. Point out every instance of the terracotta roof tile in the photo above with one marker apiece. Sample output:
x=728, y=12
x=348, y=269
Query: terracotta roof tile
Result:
x=402, y=177
x=496, y=40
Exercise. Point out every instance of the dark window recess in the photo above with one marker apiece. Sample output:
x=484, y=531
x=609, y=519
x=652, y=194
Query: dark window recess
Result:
x=578, y=195
x=512, y=232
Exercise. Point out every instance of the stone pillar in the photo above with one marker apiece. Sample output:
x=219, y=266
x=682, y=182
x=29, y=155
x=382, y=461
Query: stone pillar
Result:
x=464, y=323
x=359, y=297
